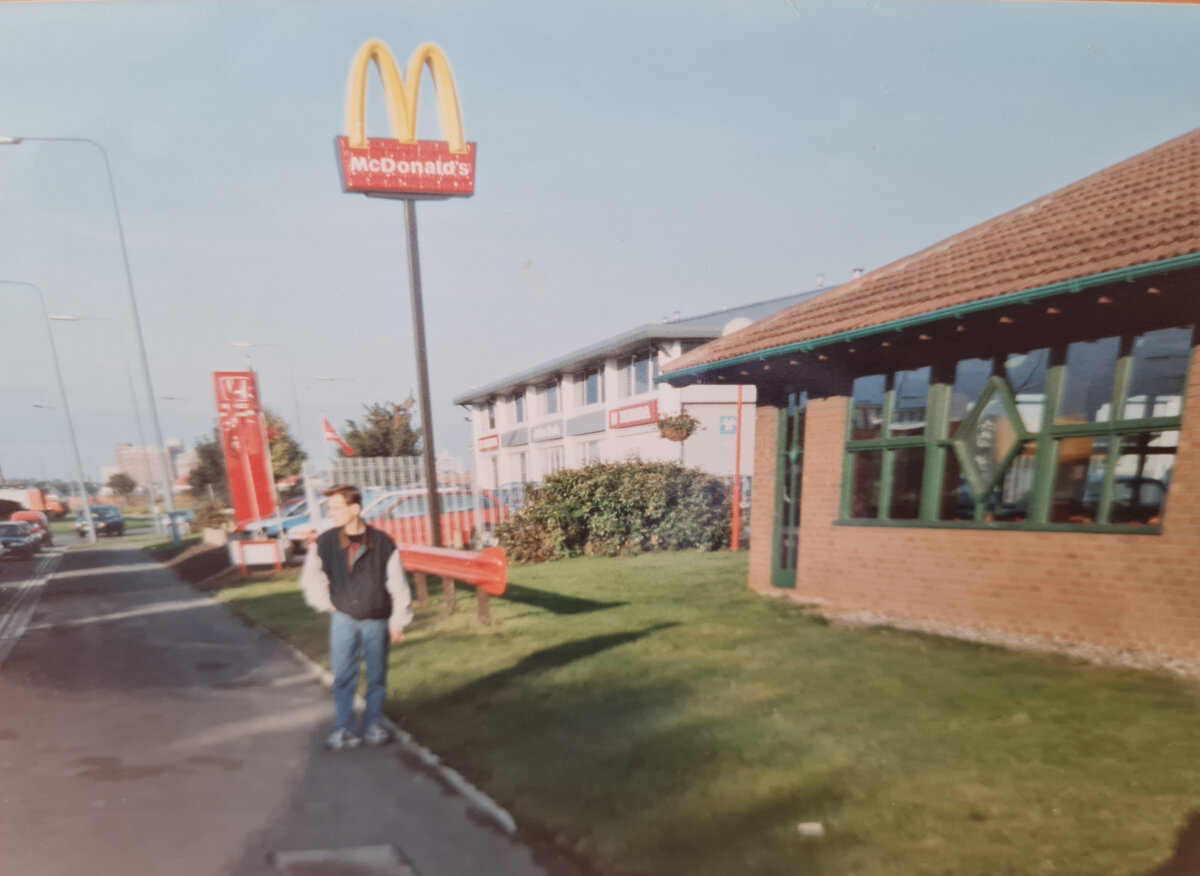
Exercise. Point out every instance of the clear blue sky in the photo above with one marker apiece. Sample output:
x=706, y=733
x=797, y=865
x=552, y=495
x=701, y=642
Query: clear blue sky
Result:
x=634, y=159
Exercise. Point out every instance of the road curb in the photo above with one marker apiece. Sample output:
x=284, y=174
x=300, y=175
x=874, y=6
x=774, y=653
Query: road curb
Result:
x=480, y=802
x=484, y=804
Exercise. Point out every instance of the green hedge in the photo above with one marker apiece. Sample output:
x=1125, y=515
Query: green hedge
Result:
x=610, y=509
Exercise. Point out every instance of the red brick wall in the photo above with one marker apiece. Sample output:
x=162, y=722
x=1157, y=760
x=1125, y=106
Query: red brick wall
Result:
x=1123, y=591
x=762, y=498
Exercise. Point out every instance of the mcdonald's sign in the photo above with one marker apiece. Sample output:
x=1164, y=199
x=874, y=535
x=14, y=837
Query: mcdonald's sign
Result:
x=403, y=165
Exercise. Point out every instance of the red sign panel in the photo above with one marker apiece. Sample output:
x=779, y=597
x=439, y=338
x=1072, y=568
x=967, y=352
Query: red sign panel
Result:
x=634, y=415
x=244, y=440
x=489, y=442
x=426, y=167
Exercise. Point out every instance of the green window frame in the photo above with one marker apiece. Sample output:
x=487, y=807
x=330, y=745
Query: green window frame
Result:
x=873, y=466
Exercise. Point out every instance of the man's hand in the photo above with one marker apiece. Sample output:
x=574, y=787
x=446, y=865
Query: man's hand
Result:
x=397, y=637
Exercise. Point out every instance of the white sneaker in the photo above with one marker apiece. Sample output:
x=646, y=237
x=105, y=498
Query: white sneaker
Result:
x=341, y=739
x=377, y=734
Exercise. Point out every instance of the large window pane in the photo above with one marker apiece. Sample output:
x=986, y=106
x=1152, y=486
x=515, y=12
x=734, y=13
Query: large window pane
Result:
x=1078, y=479
x=1011, y=498
x=910, y=397
x=908, y=469
x=957, y=502
x=866, y=415
x=970, y=378
x=1087, y=389
x=866, y=468
x=1160, y=361
x=1143, y=477
x=1027, y=377
x=641, y=375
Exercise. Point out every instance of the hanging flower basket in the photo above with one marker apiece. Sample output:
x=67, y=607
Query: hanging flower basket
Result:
x=678, y=427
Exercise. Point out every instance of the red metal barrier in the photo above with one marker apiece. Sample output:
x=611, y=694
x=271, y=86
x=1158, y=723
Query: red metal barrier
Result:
x=486, y=570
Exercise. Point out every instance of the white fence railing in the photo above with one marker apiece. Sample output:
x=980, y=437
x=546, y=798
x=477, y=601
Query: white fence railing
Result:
x=395, y=499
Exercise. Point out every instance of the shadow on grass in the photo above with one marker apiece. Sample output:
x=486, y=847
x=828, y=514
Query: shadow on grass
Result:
x=555, y=603
x=1186, y=860
x=548, y=658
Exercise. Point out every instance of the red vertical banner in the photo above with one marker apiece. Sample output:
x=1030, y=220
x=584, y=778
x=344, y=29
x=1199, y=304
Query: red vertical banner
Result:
x=244, y=440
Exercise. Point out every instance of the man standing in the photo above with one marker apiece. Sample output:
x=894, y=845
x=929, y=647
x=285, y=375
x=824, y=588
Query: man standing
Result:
x=353, y=572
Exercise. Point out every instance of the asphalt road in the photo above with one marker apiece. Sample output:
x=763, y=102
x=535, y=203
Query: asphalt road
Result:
x=144, y=730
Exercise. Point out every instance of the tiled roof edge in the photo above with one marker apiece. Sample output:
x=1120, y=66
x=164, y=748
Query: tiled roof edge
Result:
x=954, y=311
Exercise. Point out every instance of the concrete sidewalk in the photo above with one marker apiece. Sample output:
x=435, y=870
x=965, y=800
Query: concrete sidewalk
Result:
x=144, y=730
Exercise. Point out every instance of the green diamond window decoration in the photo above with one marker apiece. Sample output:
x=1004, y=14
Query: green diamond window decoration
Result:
x=990, y=438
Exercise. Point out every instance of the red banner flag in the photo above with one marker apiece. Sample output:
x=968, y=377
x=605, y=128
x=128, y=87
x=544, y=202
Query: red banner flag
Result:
x=332, y=437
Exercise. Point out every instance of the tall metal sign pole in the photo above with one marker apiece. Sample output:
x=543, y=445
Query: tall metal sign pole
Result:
x=408, y=169
x=418, y=309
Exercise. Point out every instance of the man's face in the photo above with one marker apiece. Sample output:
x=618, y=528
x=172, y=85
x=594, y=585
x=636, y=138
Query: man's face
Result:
x=341, y=513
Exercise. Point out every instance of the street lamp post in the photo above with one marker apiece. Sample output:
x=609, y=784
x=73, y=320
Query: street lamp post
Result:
x=246, y=345
x=168, y=496
x=62, y=392
x=137, y=411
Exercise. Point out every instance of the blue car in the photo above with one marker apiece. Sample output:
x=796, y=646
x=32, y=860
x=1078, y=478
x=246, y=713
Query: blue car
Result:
x=18, y=541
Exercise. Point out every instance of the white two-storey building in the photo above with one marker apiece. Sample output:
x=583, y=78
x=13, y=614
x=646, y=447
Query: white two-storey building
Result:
x=602, y=403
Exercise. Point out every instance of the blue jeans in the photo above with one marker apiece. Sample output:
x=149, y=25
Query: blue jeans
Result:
x=352, y=641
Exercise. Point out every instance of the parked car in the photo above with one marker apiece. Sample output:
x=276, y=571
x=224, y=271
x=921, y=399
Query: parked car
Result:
x=404, y=516
x=274, y=525
x=183, y=518
x=39, y=522
x=18, y=539
x=301, y=528
x=107, y=519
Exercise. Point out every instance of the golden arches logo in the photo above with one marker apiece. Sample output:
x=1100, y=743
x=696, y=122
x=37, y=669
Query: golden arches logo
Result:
x=401, y=95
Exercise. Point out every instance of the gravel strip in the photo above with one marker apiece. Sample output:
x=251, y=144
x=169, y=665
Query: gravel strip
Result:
x=1098, y=654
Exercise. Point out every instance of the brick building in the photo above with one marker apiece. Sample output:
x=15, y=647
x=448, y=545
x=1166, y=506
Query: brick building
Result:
x=1001, y=431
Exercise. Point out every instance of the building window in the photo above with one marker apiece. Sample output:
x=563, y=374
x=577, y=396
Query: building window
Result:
x=522, y=468
x=519, y=408
x=491, y=415
x=495, y=473
x=636, y=374
x=591, y=452
x=551, y=460
x=589, y=387
x=550, y=403
x=1078, y=436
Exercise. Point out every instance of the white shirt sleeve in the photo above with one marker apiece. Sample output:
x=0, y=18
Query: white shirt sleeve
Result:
x=314, y=582
x=397, y=585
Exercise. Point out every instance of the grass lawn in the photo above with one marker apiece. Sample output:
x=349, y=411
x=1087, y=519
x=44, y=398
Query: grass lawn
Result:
x=655, y=717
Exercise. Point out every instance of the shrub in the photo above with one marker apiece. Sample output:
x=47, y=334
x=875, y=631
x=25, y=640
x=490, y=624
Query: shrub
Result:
x=608, y=509
x=210, y=514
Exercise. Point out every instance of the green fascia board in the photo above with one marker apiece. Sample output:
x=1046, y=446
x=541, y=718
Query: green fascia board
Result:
x=1006, y=526
x=956, y=311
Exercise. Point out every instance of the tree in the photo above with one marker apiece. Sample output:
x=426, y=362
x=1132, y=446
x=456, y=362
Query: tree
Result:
x=386, y=431
x=287, y=459
x=209, y=472
x=122, y=484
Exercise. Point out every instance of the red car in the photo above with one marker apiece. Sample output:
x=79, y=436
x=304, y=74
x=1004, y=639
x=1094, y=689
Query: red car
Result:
x=41, y=525
x=404, y=516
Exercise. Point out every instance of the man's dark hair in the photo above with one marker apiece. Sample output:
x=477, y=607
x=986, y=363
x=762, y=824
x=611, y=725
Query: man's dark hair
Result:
x=350, y=495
